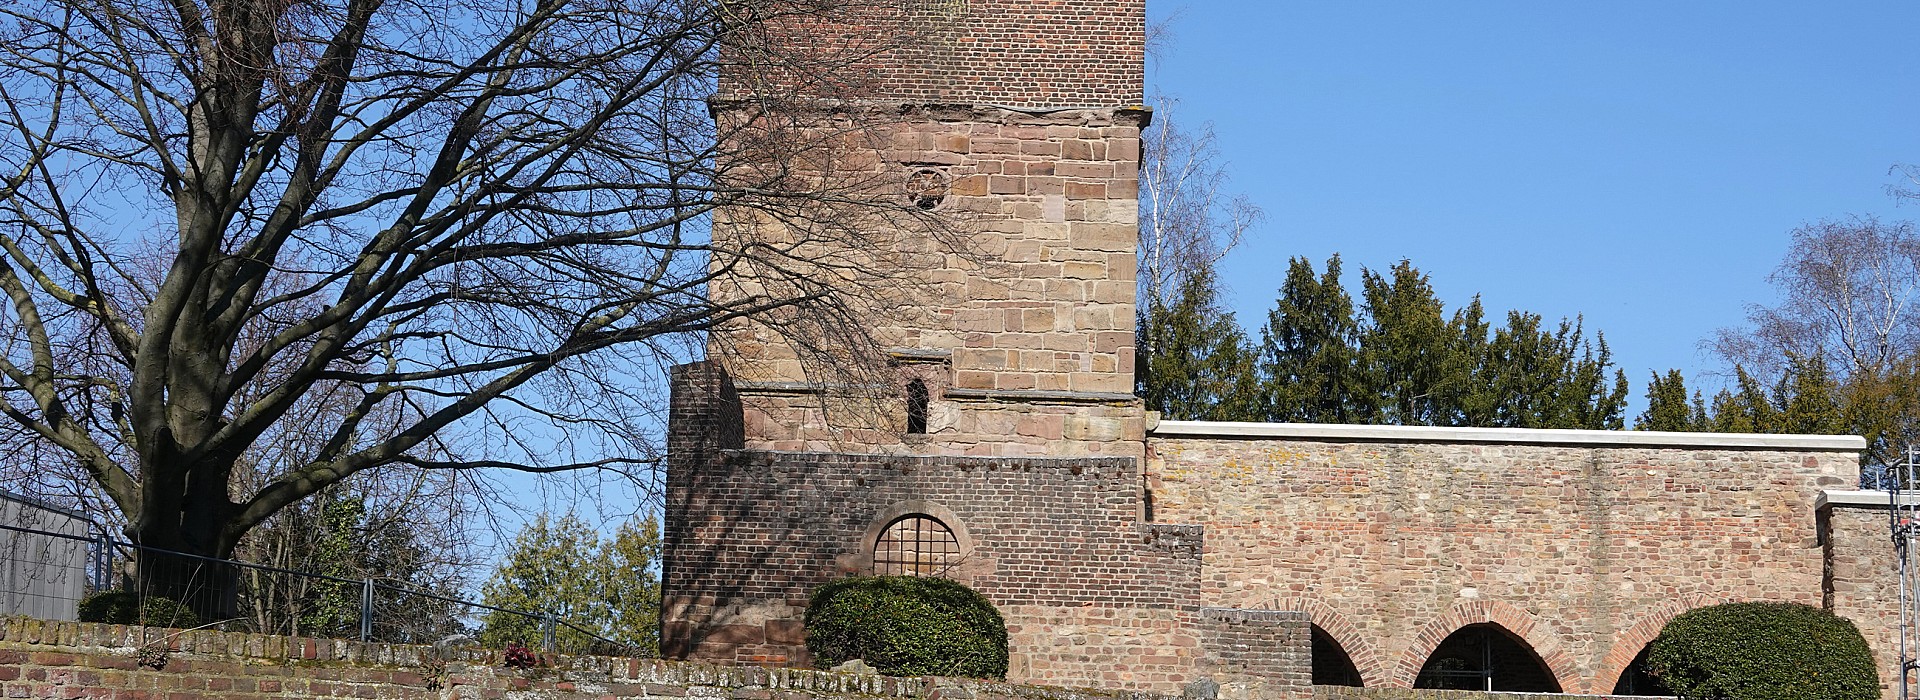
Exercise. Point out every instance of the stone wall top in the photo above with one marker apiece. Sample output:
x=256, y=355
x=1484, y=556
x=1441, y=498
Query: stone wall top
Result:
x=1511, y=436
x=1861, y=499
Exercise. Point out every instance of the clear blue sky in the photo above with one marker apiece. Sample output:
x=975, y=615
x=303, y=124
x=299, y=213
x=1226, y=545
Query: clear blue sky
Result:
x=1637, y=162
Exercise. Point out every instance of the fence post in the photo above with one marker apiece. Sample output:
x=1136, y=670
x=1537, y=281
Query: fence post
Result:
x=103, y=562
x=366, y=610
x=546, y=632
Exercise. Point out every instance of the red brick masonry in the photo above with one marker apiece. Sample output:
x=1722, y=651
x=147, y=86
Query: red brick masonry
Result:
x=76, y=660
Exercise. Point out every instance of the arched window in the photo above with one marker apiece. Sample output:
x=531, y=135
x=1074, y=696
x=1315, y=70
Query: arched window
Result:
x=1486, y=657
x=1636, y=681
x=915, y=545
x=917, y=400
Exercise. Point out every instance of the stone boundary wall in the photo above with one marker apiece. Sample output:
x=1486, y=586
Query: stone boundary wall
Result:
x=1334, y=692
x=1581, y=544
x=41, y=659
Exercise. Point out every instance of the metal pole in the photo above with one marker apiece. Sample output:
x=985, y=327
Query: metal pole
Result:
x=366, y=610
x=1901, y=515
x=102, y=562
x=546, y=632
x=1909, y=608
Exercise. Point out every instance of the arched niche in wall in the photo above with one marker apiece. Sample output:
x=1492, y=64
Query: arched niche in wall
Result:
x=1630, y=648
x=915, y=538
x=1331, y=663
x=1328, y=625
x=1486, y=656
x=1635, y=680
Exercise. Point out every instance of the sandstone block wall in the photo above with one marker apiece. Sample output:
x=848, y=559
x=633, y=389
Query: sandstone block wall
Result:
x=78, y=660
x=1583, y=551
x=1092, y=596
x=1019, y=322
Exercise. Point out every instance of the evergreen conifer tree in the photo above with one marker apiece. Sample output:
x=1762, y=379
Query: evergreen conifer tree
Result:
x=1411, y=365
x=1670, y=408
x=1805, y=399
x=1195, y=362
x=1306, y=357
x=1745, y=408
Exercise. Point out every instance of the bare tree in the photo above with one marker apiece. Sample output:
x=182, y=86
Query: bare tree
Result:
x=1849, y=301
x=1908, y=189
x=255, y=248
x=1849, y=293
x=1188, y=221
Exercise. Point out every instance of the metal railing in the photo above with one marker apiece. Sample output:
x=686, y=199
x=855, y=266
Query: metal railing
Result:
x=275, y=600
x=1903, y=515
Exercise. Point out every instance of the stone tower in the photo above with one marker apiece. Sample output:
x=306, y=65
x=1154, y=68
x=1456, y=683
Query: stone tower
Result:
x=997, y=441
x=1017, y=123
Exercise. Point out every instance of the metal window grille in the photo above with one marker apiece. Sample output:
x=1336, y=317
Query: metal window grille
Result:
x=915, y=545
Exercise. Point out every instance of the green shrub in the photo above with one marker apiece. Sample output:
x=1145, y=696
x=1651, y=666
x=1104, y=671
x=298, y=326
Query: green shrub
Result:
x=1775, y=651
x=907, y=626
x=126, y=608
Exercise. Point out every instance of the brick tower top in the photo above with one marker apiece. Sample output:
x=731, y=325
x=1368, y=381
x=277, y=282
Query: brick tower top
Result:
x=1016, y=53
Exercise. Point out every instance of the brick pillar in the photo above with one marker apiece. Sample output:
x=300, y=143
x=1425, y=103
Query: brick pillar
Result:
x=704, y=415
x=704, y=418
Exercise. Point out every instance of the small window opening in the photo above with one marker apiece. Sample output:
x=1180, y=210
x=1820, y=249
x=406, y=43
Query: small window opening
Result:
x=915, y=545
x=917, y=400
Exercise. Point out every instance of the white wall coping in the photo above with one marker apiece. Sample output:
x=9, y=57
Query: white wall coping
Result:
x=1512, y=436
x=1870, y=499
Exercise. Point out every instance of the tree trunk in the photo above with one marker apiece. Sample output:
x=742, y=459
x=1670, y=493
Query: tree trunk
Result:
x=183, y=540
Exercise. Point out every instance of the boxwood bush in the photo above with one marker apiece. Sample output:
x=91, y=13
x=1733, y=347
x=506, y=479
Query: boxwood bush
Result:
x=1775, y=651
x=907, y=626
x=123, y=607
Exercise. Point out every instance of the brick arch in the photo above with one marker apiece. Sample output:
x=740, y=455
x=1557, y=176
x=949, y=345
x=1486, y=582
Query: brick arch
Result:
x=1630, y=642
x=1519, y=622
x=1374, y=671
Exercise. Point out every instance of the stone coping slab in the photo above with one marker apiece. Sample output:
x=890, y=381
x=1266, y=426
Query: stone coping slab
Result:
x=1861, y=498
x=1508, y=436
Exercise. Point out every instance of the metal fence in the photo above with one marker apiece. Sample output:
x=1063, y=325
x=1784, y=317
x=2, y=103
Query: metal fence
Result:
x=43, y=570
x=47, y=573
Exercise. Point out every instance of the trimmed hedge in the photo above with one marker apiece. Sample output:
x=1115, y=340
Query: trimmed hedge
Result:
x=122, y=607
x=1771, y=651
x=907, y=626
